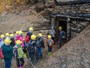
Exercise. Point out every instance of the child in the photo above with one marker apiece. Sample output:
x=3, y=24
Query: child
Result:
x=19, y=54
x=7, y=52
x=40, y=44
x=50, y=43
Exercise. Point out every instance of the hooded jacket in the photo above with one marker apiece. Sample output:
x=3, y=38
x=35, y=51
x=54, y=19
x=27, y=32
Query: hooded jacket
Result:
x=7, y=51
x=18, y=37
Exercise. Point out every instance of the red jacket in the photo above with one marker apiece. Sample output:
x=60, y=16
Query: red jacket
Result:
x=27, y=38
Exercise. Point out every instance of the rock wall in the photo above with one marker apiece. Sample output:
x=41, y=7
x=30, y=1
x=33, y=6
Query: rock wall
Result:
x=74, y=26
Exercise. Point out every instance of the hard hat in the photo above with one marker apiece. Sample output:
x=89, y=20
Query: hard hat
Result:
x=60, y=28
x=2, y=36
x=40, y=35
x=31, y=29
x=7, y=34
x=20, y=32
x=11, y=35
x=7, y=41
x=33, y=37
x=18, y=42
x=49, y=36
x=17, y=32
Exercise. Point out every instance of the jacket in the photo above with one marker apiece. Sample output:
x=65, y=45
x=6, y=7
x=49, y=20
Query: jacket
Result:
x=18, y=37
x=12, y=42
x=7, y=51
x=19, y=51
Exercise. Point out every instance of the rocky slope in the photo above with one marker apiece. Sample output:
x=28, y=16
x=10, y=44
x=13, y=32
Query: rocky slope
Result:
x=74, y=54
x=22, y=19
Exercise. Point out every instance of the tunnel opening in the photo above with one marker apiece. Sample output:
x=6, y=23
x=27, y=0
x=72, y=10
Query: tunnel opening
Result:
x=63, y=23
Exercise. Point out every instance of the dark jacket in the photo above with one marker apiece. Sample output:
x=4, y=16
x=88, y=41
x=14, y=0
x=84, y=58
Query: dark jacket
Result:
x=12, y=42
x=31, y=46
x=40, y=43
x=29, y=34
x=7, y=51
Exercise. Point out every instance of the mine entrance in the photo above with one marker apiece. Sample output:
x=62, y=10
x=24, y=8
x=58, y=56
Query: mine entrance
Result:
x=64, y=25
x=61, y=22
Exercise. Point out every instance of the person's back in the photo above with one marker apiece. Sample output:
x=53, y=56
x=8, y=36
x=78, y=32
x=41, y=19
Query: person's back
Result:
x=31, y=50
x=29, y=34
x=7, y=51
x=40, y=42
x=61, y=34
x=31, y=46
x=12, y=42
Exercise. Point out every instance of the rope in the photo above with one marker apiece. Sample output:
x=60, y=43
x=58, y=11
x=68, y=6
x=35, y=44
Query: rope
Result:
x=28, y=60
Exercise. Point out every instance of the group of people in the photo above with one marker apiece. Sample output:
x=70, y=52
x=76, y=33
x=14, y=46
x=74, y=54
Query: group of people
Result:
x=31, y=46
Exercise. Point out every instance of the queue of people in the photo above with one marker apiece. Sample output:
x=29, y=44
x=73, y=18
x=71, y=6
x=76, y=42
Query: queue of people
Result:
x=31, y=46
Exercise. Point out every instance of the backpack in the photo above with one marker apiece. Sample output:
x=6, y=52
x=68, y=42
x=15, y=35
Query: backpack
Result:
x=1, y=54
x=31, y=46
x=38, y=43
x=50, y=43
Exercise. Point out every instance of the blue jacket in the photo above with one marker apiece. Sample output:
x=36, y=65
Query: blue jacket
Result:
x=7, y=51
x=62, y=35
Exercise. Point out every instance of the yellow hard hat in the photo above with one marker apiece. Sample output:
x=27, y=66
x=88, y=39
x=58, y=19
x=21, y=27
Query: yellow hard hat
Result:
x=33, y=37
x=31, y=29
x=11, y=35
x=18, y=42
x=7, y=34
x=7, y=41
x=40, y=35
x=49, y=36
x=60, y=28
x=2, y=36
x=17, y=32
x=20, y=32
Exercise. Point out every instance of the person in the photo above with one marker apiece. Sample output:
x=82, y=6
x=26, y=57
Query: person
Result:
x=16, y=34
x=52, y=33
x=27, y=38
x=1, y=40
x=20, y=37
x=7, y=36
x=31, y=48
x=50, y=43
x=19, y=54
x=62, y=36
x=7, y=52
x=40, y=44
x=21, y=33
x=1, y=43
x=12, y=40
x=30, y=32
